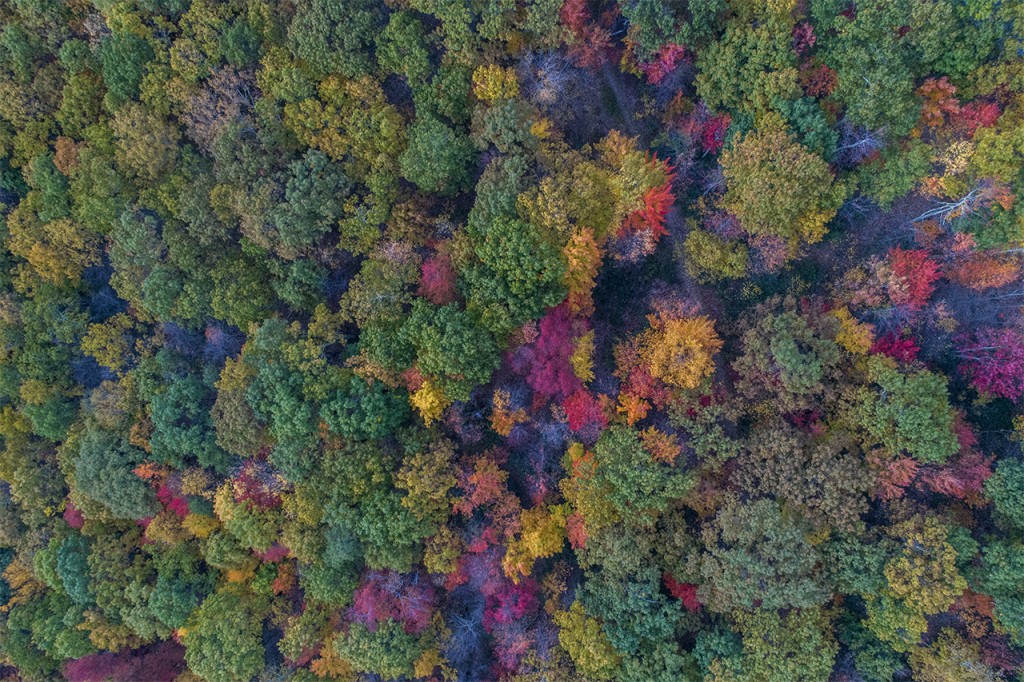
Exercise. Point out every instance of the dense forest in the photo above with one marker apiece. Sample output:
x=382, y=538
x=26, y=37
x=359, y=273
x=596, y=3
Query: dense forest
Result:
x=511, y=340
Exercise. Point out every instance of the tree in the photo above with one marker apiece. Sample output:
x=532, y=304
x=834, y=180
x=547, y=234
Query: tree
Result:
x=427, y=476
x=913, y=277
x=680, y=352
x=73, y=569
x=240, y=293
x=365, y=410
x=950, y=656
x=542, y=536
x=223, y=639
x=824, y=477
x=182, y=425
x=450, y=348
x=788, y=358
x=146, y=143
x=181, y=586
x=908, y=413
x=994, y=361
x=635, y=482
x=1003, y=488
x=103, y=472
x=237, y=428
x=335, y=36
x=387, y=650
x=124, y=57
x=778, y=188
x=710, y=258
x=797, y=645
x=551, y=374
x=925, y=575
x=748, y=67
x=518, y=275
x=401, y=48
x=1001, y=564
x=876, y=68
x=437, y=281
x=758, y=557
x=58, y=251
x=314, y=195
x=438, y=157
x=581, y=636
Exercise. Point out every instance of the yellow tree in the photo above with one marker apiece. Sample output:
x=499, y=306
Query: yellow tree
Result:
x=542, y=535
x=680, y=352
x=583, y=258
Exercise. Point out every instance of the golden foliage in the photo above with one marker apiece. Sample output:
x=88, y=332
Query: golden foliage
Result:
x=632, y=407
x=854, y=336
x=542, y=535
x=492, y=82
x=664, y=447
x=582, y=358
x=680, y=352
x=503, y=418
x=430, y=401
x=583, y=258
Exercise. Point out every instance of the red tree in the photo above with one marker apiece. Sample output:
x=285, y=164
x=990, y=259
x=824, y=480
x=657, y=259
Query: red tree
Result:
x=963, y=478
x=974, y=115
x=994, y=361
x=257, y=483
x=551, y=373
x=712, y=136
x=510, y=604
x=667, y=59
x=592, y=40
x=437, y=281
x=684, y=592
x=913, y=277
x=408, y=599
x=900, y=348
x=178, y=505
x=72, y=516
x=803, y=38
x=582, y=409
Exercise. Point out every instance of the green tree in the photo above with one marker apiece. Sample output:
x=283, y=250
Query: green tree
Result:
x=798, y=645
x=73, y=569
x=181, y=585
x=335, y=36
x=387, y=651
x=907, y=412
x=632, y=479
x=402, y=49
x=103, y=472
x=655, y=23
x=224, y=637
x=775, y=186
x=182, y=426
x=438, y=157
x=124, y=57
x=710, y=258
x=758, y=556
x=1001, y=566
x=788, y=359
x=450, y=347
x=518, y=276
x=365, y=410
x=313, y=202
x=1005, y=488
x=748, y=68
